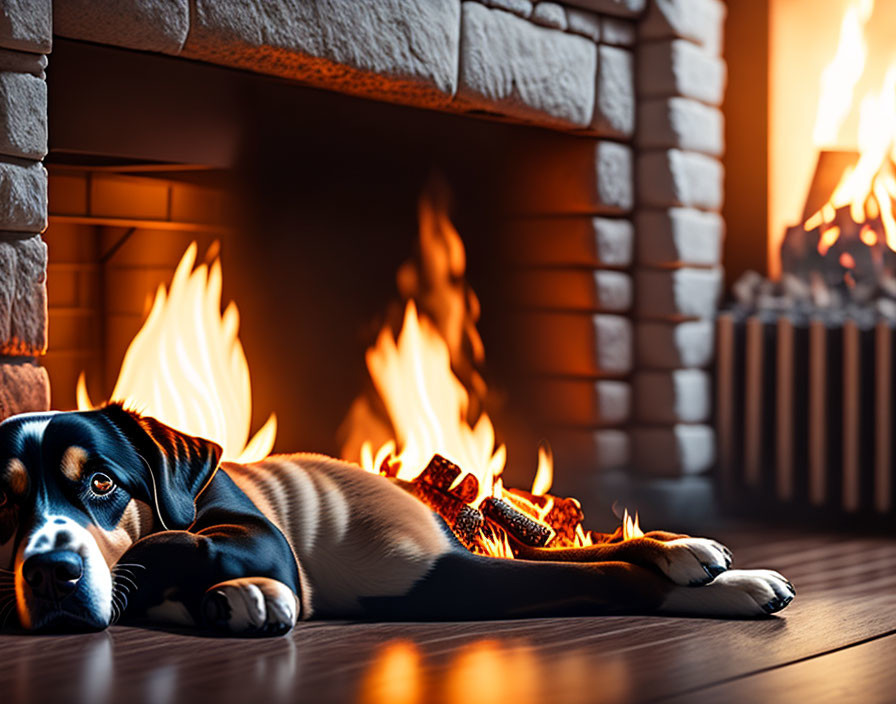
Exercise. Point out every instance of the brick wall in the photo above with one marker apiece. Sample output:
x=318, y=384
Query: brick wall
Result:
x=25, y=40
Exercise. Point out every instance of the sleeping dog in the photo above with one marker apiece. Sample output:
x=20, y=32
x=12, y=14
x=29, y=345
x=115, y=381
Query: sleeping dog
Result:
x=108, y=514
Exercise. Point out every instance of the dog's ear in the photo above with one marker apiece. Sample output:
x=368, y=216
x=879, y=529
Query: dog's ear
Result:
x=180, y=465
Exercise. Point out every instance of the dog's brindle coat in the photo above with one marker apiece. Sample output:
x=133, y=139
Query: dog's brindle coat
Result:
x=107, y=514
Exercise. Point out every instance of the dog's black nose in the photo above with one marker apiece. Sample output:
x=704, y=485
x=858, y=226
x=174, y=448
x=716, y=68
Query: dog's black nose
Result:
x=54, y=574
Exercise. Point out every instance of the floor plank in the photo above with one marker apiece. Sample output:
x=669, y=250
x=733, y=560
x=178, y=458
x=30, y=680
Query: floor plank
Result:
x=846, y=594
x=860, y=673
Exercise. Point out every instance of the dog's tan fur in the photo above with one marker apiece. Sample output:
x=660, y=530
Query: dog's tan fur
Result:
x=353, y=534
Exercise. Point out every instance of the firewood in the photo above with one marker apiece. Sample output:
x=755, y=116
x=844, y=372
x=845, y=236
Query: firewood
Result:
x=564, y=515
x=517, y=524
x=463, y=520
x=442, y=473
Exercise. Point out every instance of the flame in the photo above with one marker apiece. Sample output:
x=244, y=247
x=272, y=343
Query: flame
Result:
x=839, y=78
x=187, y=368
x=427, y=406
x=866, y=190
x=630, y=527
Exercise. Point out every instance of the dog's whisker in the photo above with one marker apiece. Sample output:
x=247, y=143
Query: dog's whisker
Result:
x=130, y=564
x=126, y=580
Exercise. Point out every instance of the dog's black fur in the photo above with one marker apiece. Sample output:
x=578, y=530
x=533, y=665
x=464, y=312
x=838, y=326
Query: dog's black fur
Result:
x=249, y=549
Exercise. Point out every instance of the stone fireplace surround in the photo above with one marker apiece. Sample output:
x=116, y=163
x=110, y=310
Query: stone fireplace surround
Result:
x=620, y=230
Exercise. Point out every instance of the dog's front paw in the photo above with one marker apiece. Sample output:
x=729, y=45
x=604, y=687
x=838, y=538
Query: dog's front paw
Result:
x=251, y=606
x=693, y=561
x=735, y=593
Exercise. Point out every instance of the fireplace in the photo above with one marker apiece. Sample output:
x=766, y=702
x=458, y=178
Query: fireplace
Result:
x=580, y=142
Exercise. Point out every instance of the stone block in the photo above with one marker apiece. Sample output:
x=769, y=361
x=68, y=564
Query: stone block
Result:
x=678, y=293
x=23, y=193
x=148, y=25
x=400, y=50
x=513, y=67
x=23, y=115
x=523, y=8
x=701, y=21
x=574, y=289
x=577, y=344
x=570, y=175
x=669, y=397
x=550, y=14
x=666, y=345
x=574, y=240
x=23, y=296
x=682, y=123
x=24, y=388
x=583, y=22
x=673, y=451
x=591, y=449
x=583, y=402
x=26, y=25
x=614, y=103
x=618, y=8
x=679, y=236
x=679, y=67
x=674, y=177
x=618, y=32
x=23, y=62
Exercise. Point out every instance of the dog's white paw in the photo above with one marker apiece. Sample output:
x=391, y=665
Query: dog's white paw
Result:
x=251, y=606
x=693, y=561
x=735, y=593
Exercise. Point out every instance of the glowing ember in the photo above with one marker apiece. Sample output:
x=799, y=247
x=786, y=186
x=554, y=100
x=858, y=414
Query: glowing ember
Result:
x=451, y=463
x=187, y=368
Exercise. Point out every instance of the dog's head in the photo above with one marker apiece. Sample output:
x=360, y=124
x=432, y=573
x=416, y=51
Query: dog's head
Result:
x=76, y=491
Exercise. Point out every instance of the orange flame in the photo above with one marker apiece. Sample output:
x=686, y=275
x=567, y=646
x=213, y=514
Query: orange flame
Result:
x=186, y=365
x=427, y=406
x=630, y=527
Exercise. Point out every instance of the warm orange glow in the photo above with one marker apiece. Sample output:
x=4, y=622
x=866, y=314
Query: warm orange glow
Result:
x=847, y=261
x=395, y=676
x=828, y=238
x=868, y=236
x=187, y=368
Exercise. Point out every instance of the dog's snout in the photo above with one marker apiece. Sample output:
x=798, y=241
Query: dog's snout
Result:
x=53, y=575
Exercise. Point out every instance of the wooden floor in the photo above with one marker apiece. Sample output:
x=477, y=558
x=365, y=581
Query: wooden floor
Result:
x=835, y=643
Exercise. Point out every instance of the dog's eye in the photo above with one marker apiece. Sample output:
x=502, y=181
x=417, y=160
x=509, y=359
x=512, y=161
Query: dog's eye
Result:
x=101, y=484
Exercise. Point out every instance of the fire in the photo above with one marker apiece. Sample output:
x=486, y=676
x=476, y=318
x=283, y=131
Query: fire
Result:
x=187, y=368
x=449, y=460
x=866, y=190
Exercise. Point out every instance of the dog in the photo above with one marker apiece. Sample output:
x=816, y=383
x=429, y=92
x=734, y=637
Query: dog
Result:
x=109, y=515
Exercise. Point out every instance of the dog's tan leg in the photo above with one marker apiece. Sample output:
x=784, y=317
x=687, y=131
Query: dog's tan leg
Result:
x=684, y=560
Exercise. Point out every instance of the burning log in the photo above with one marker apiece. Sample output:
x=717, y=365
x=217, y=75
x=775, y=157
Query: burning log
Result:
x=463, y=520
x=441, y=473
x=516, y=523
x=564, y=515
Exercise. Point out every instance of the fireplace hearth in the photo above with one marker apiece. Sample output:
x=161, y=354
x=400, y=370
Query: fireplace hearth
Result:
x=581, y=141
